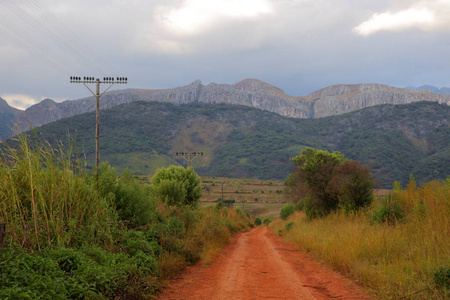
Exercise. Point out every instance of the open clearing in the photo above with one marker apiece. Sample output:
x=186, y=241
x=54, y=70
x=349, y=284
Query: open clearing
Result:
x=259, y=265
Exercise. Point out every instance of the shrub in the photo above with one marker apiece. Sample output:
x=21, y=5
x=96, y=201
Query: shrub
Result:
x=176, y=185
x=267, y=221
x=287, y=210
x=289, y=226
x=389, y=211
x=135, y=203
x=258, y=221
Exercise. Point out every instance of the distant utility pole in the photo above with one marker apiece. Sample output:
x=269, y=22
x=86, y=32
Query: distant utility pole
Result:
x=189, y=156
x=97, y=95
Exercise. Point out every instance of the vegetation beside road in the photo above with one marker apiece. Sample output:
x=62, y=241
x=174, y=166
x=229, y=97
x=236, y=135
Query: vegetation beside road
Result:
x=71, y=236
x=398, y=247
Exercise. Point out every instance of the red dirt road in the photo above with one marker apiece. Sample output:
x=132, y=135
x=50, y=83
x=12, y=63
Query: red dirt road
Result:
x=259, y=265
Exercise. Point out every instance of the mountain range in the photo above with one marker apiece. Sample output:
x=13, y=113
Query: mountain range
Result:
x=329, y=101
x=239, y=141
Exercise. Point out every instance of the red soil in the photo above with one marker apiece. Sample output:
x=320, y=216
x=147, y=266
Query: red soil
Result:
x=259, y=265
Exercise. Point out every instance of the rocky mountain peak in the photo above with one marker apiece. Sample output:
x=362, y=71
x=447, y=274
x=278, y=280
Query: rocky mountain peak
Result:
x=3, y=105
x=345, y=89
x=255, y=85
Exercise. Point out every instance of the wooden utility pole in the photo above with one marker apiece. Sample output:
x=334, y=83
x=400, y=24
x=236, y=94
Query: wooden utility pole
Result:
x=97, y=95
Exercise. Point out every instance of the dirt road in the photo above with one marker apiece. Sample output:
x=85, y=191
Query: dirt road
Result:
x=259, y=265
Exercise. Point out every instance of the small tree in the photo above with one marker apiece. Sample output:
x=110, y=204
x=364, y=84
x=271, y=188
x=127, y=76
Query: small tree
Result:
x=353, y=183
x=176, y=185
x=323, y=181
x=311, y=178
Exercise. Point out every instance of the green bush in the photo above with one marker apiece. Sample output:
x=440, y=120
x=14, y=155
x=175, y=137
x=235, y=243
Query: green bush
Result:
x=67, y=273
x=289, y=226
x=135, y=204
x=258, y=221
x=267, y=221
x=388, y=211
x=176, y=185
x=134, y=242
x=287, y=210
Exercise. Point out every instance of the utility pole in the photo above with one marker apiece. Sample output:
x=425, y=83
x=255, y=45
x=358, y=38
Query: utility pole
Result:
x=106, y=80
x=189, y=156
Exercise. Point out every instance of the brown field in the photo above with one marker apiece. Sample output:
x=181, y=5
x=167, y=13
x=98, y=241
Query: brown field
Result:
x=263, y=198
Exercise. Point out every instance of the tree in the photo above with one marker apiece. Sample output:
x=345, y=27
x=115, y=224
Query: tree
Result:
x=353, y=183
x=323, y=181
x=311, y=178
x=176, y=185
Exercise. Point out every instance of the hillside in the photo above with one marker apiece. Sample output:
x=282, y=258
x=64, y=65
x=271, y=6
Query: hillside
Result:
x=8, y=115
x=243, y=142
x=329, y=101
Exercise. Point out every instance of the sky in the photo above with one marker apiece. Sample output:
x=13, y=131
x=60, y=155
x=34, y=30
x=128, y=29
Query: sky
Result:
x=297, y=45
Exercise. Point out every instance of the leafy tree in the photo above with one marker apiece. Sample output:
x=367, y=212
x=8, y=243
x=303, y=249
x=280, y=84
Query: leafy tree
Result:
x=323, y=181
x=176, y=185
x=353, y=183
x=311, y=178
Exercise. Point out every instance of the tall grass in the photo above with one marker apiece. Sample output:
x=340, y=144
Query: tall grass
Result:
x=394, y=261
x=109, y=238
x=46, y=200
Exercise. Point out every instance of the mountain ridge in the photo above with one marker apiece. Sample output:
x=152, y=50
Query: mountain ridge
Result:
x=329, y=101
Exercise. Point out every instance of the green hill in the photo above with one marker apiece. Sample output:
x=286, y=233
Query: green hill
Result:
x=244, y=142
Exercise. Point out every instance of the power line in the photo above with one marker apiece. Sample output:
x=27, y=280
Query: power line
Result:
x=61, y=29
x=36, y=30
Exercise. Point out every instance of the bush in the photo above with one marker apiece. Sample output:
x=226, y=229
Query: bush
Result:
x=287, y=210
x=389, y=211
x=258, y=221
x=135, y=203
x=176, y=185
x=267, y=221
x=289, y=226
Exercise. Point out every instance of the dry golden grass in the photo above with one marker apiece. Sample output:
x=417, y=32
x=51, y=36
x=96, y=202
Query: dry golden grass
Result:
x=396, y=262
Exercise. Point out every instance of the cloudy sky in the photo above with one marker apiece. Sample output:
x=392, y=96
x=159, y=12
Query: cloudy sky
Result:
x=297, y=45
